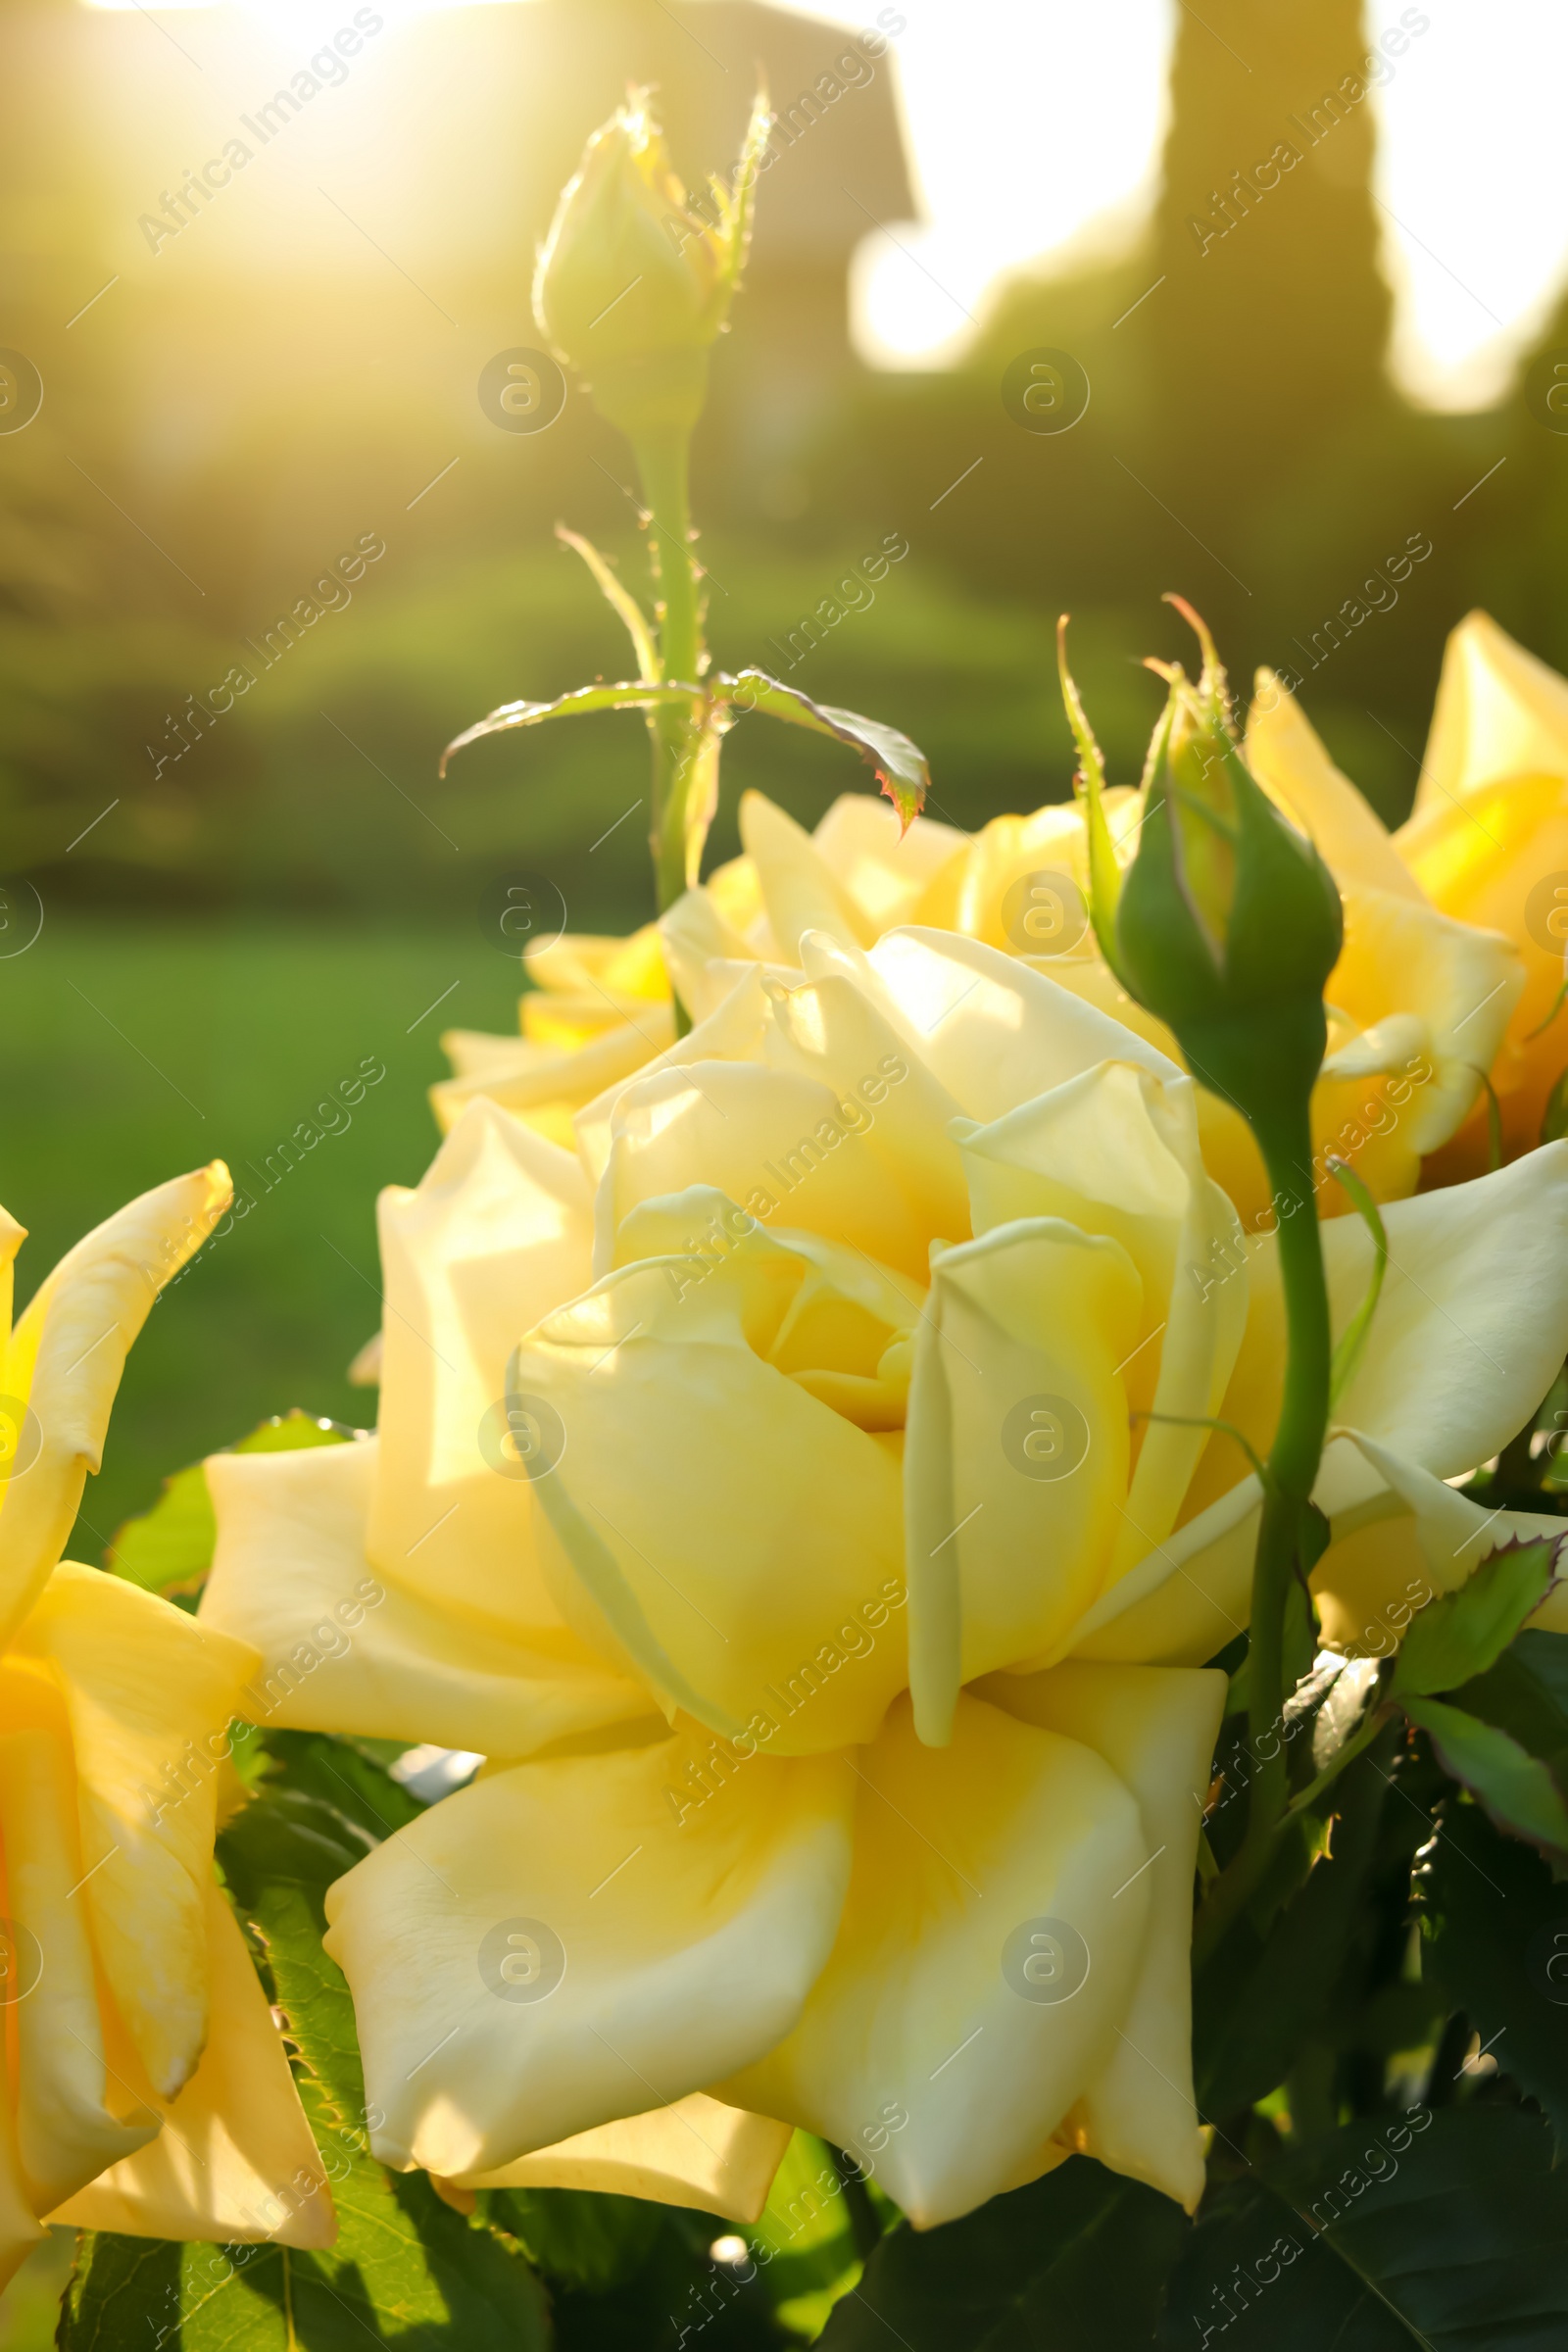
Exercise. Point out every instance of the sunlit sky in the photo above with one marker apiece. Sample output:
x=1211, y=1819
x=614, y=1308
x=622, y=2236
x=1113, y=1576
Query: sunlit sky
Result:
x=1033, y=126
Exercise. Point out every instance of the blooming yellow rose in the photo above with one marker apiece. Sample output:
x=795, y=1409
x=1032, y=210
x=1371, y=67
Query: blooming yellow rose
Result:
x=788, y=1494
x=1418, y=1002
x=123, y=1964
x=1488, y=843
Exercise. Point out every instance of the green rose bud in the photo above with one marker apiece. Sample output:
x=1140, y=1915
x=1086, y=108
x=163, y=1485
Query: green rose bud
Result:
x=1228, y=922
x=635, y=279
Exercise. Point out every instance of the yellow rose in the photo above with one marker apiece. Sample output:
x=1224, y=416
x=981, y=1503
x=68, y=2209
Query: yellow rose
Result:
x=830, y=1781
x=1418, y=1002
x=143, y=2056
x=1488, y=843
x=599, y=1010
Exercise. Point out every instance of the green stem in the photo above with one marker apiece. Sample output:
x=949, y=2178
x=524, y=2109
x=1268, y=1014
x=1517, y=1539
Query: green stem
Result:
x=1296, y=1449
x=1292, y=1464
x=662, y=466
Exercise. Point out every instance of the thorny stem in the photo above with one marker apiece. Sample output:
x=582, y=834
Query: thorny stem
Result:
x=662, y=466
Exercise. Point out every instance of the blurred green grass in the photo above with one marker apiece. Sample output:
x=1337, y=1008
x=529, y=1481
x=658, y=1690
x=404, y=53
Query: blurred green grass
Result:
x=129, y=1052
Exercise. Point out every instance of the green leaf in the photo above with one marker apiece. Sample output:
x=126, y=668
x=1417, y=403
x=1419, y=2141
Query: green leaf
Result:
x=900, y=767
x=1460, y=2245
x=169, y=1547
x=1257, y=2001
x=1526, y=1693
x=620, y=601
x=598, y=2241
x=405, y=2271
x=1461, y=1634
x=1075, y=2263
x=341, y=1774
x=1496, y=1942
x=804, y=2243
x=1516, y=1788
x=629, y=2277
x=639, y=694
x=1444, y=2231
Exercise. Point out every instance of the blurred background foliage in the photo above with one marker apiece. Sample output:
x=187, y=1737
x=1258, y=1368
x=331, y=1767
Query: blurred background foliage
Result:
x=238, y=908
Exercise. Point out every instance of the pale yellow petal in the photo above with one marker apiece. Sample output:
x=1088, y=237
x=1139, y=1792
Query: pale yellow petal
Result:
x=1433, y=998
x=1287, y=758
x=65, y=1360
x=992, y=1030
x=900, y=1113
x=344, y=1649
x=732, y=1530
x=583, y=1939
x=149, y=1693
x=1155, y=1727
x=985, y=1960
x=66, y=2129
x=1491, y=860
x=235, y=2161
x=1499, y=711
x=697, y=2153
x=544, y=1085
x=732, y=1032
x=580, y=962
x=496, y=1234
x=696, y=935
x=778, y=1142
x=800, y=887
x=1412, y=1538
x=1472, y=1324
x=885, y=868
x=19, y=2228
x=1016, y=1458
x=1185, y=1601
x=1469, y=1331
x=1116, y=1153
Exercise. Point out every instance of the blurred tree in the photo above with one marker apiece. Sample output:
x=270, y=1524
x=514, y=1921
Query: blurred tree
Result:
x=1268, y=333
